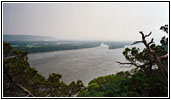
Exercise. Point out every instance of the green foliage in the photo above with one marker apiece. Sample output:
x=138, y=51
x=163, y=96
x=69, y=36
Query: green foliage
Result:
x=122, y=85
x=144, y=81
x=164, y=40
x=7, y=49
x=144, y=57
x=16, y=70
x=164, y=28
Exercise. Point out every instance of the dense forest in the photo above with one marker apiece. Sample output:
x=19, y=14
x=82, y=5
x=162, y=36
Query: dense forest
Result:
x=149, y=78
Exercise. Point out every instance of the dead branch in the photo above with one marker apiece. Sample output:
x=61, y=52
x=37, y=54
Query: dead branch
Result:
x=151, y=41
x=148, y=35
x=135, y=64
x=141, y=33
x=18, y=85
x=164, y=56
x=137, y=42
x=123, y=63
x=163, y=70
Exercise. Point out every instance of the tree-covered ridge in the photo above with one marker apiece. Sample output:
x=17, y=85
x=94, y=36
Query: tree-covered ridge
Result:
x=123, y=84
x=19, y=79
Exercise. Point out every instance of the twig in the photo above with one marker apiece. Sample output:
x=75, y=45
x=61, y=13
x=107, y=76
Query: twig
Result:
x=135, y=64
x=137, y=42
x=148, y=35
x=151, y=41
x=123, y=63
x=164, y=56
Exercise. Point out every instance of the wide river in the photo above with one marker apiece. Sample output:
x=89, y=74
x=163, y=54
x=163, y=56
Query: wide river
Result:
x=80, y=64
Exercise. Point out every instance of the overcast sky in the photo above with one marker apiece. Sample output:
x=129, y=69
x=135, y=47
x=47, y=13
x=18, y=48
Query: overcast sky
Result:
x=86, y=21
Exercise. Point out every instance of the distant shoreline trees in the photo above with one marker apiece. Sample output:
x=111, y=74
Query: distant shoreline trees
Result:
x=43, y=46
x=47, y=46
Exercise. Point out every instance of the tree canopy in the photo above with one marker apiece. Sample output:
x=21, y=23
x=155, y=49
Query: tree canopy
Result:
x=149, y=78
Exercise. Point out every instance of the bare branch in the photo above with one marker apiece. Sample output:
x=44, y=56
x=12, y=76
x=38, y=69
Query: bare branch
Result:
x=135, y=64
x=18, y=85
x=163, y=70
x=148, y=35
x=123, y=63
x=28, y=95
x=164, y=56
x=141, y=33
x=151, y=41
x=131, y=63
x=136, y=42
x=27, y=91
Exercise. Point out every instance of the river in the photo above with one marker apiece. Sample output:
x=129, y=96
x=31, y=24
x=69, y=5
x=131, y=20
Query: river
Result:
x=81, y=64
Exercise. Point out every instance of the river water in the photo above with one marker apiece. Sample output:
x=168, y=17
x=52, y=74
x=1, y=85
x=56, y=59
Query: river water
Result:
x=80, y=64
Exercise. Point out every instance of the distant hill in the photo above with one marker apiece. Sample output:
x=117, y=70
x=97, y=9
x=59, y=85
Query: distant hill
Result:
x=27, y=38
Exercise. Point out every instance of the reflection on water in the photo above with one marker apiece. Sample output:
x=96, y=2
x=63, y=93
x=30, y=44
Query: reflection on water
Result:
x=81, y=64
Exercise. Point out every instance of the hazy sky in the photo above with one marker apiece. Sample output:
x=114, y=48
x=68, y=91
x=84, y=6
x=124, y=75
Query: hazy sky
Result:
x=86, y=21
